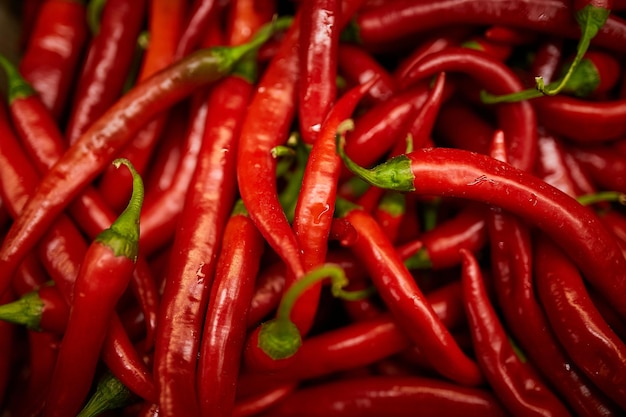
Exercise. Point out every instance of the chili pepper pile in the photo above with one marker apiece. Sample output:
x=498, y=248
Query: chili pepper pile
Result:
x=314, y=208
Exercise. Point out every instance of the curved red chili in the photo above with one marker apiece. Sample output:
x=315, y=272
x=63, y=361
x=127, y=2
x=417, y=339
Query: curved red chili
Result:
x=112, y=258
x=458, y=173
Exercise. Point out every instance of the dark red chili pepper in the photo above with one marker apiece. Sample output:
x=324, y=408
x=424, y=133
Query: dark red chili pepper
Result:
x=358, y=67
x=404, y=299
x=441, y=245
x=318, y=49
x=196, y=25
x=591, y=15
x=29, y=276
x=107, y=64
x=84, y=160
x=44, y=309
x=255, y=404
x=379, y=395
x=516, y=383
x=551, y=165
x=458, y=173
x=316, y=200
x=498, y=51
x=547, y=60
x=460, y=126
x=165, y=21
x=52, y=56
x=509, y=35
x=582, y=120
x=583, y=333
x=225, y=330
x=111, y=258
x=516, y=119
x=604, y=164
x=399, y=19
x=191, y=272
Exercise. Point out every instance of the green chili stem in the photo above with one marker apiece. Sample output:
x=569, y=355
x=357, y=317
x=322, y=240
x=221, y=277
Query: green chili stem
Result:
x=17, y=86
x=123, y=235
x=602, y=196
x=94, y=14
x=24, y=311
x=110, y=394
x=419, y=260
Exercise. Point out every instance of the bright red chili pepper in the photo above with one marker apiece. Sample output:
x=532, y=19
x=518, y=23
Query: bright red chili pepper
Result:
x=225, y=328
x=583, y=333
x=108, y=61
x=458, y=173
x=518, y=120
x=245, y=17
x=390, y=212
x=89, y=155
x=191, y=271
x=516, y=383
x=52, y=56
x=316, y=200
x=404, y=299
x=380, y=395
x=318, y=49
x=111, y=259
x=399, y=19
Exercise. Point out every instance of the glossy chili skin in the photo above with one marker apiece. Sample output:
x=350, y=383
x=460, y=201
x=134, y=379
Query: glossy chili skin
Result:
x=398, y=19
x=196, y=24
x=604, y=164
x=404, y=299
x=90, y=154
x=225, y=328
x=319, y=43
x=102, y=279
x=517, y=120
x=516, y=383
x=107, y=64
x=358, y=66
x=191, y=271
x=576, y=229
x=380, y=395
x=53, y=53
x=583, y=333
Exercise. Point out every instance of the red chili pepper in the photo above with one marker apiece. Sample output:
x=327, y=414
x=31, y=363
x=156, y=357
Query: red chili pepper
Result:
x=399, y=19
x=441, y=245
x=318, y=49
x=509, y=35
x=457, y=173
x=460, y=126
x=316, y=200
x=111, y=258
x=225, y=328
x=604, y=164
x=191, y=271
x=551, y=165
x=516, y=383
x=42, y=310
x=84, y=160
x=583, y=333
x=197, y=23
x=253, y=405
x=390, y=212
x=379, y=395
x=404, y=299
x=108, y=62
x=52, y=56
x=516, y=119
x=358, y=67
x=496, y=50
x=245, y=17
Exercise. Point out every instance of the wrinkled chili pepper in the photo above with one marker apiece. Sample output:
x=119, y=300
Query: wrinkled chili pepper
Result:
x=458, y=173
x=54, y=50
x=516, y=383
x=112, y=258
x=82, y=162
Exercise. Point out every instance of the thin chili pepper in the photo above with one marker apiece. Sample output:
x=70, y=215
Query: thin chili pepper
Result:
x=459, y=126
x=596, y=73
x=224, y=331
x=29, y=276
x=583, y=333
x=390, y=212
x=165, y=21
x=52, y=57
x=604, y=165
x=498, y=51
x=379, y=395
x=29, y=11
x=110, y=394
x=551, y=165
x=203, y=218
x=42, y=310
x=86, y=158
x=582, y=120
x=518, y=120
x=547, y=59
x=196, y=24
x=590, y=15
x=458, y=173
x=404, y=299
x=516, y=383
x=45, y=143
x=315, y=205
x=108, y=61
x=245, y=17
x=358, y=67
x=318, y=49
x=399, y=19
x=112, y=257
x=253, y=405
x=441, y=245
x=269, y=288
